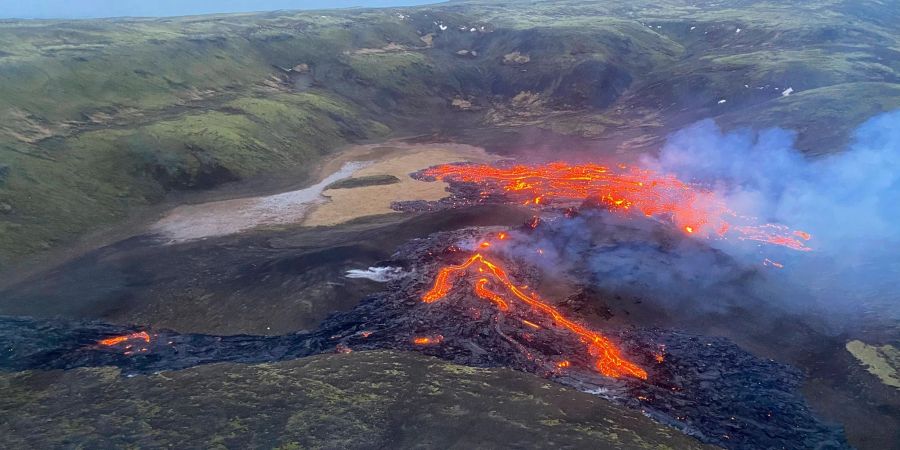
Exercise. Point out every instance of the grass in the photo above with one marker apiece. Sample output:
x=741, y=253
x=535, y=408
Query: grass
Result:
x=96, y=177
x=371, y=180
x=102, y=117
x=361, y=399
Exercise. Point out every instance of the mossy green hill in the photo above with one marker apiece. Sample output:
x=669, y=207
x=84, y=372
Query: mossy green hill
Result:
x=100, y=118
x=358, y=400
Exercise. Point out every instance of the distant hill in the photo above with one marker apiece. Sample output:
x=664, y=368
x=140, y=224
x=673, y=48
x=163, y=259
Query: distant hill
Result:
x=101, y=118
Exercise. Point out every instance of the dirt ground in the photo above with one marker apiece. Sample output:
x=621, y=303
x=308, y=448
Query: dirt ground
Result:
x=343, y=205
x=317, y=206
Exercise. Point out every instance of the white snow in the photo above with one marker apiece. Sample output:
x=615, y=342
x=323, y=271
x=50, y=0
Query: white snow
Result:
x=787, y=92
x=738, y=30
x=693, y=28
x=443, y=27
x=722, y=101
x=379, y=274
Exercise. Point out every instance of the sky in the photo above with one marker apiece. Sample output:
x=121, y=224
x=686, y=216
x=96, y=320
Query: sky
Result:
x=82, y=9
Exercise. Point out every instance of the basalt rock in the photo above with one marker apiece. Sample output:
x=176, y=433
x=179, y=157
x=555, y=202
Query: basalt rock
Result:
x=707, y=387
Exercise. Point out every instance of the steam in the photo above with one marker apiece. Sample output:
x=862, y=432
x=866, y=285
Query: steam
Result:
x=849, y=202
x=378, y=274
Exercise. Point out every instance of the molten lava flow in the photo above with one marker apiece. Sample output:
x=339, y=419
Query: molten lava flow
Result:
x=115, y=340
x=487, y=294
x=428, y=340
x=609, y=360
x=689, y=207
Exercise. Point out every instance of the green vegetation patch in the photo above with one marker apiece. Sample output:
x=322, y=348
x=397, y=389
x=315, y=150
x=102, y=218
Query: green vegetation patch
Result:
x=362, y=399
x=102, y=117
x=371, y=180
x=883, y=362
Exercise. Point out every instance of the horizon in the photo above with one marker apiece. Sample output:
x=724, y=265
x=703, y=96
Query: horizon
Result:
x=108, y=9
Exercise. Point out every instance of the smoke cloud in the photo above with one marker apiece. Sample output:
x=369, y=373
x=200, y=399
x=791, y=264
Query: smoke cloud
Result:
x=849, y=202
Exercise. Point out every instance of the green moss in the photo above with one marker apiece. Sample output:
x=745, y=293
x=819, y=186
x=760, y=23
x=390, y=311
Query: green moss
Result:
x=371, y=180
x=824, y=116
x=100, y=117
x=362, y=399
x=401, y=73
x=883, y=361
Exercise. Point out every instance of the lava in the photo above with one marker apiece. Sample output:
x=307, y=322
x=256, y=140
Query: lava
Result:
x=609, y=359
x=428, y=340
x=116, y=340
x=688, y=206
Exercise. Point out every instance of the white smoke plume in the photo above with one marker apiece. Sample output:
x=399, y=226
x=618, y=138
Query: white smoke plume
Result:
x=848, y=201
x=379, y=274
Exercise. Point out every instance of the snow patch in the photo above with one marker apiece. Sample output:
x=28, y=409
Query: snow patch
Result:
x=722, y=101
x=379, y=274
x=787, y=92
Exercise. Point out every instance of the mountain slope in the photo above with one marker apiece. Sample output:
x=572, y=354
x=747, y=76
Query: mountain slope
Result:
x=101, y=118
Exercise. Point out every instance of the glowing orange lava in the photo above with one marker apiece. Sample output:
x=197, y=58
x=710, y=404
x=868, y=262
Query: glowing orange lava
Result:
x=109, y=342
x=690, y=207
x=609, y=360
x=428, y=340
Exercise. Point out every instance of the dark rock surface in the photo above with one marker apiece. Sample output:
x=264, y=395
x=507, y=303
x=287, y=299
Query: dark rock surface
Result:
x=708, y=387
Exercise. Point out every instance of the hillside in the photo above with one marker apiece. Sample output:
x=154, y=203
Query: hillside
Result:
x=101, y=118
x=298, y=230
x=358, y=400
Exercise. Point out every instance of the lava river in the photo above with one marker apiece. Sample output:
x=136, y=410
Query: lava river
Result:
x=609, y=359
x=691, y=207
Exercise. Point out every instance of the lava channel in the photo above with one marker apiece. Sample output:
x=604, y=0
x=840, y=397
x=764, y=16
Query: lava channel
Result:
x=610, y=361
x=116, y=340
